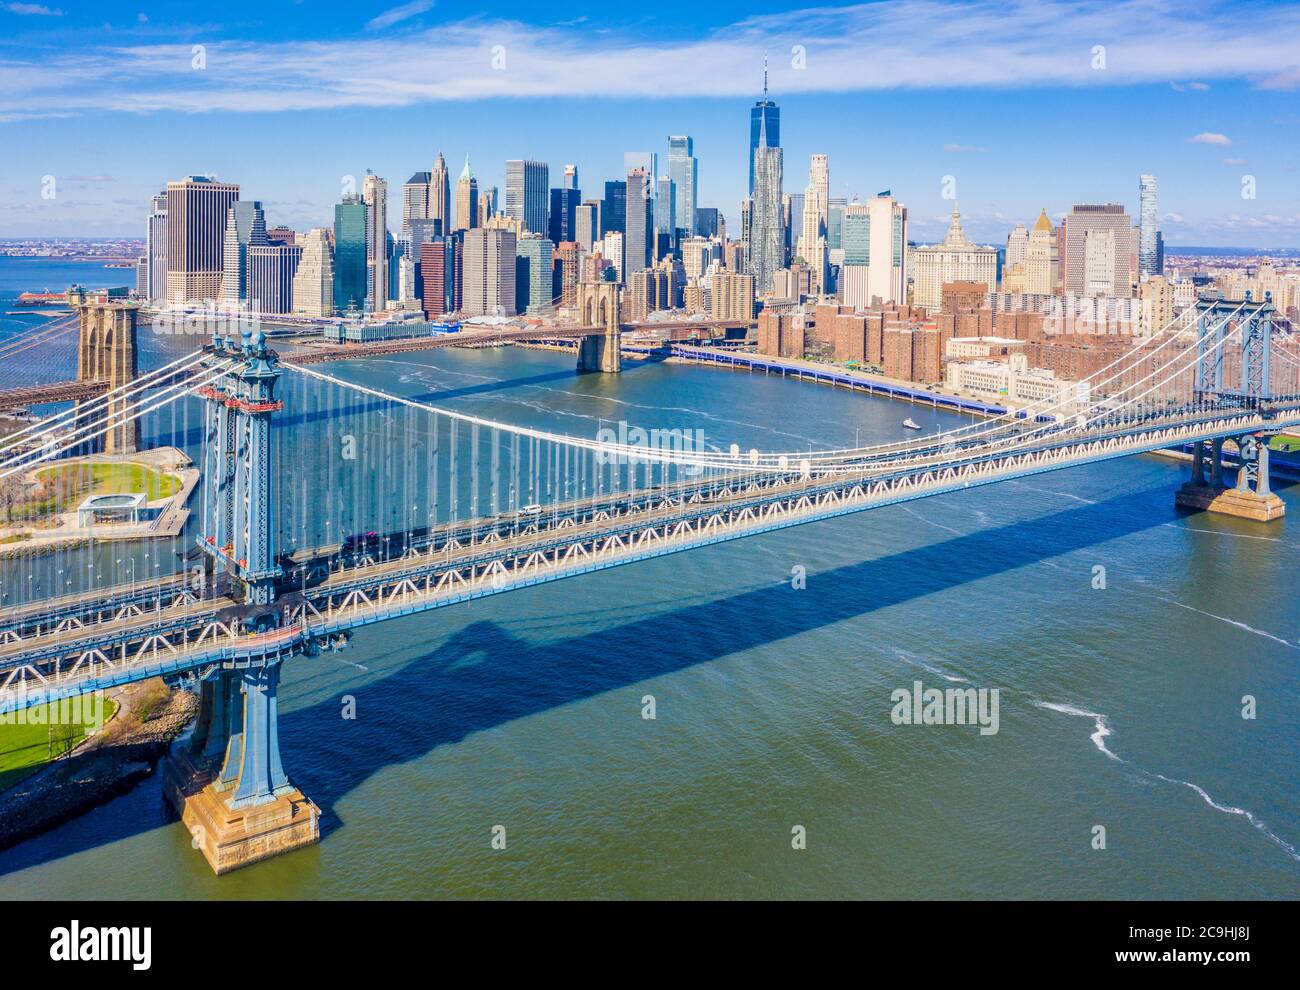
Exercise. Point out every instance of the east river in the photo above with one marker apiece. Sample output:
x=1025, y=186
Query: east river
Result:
x=1120, y=700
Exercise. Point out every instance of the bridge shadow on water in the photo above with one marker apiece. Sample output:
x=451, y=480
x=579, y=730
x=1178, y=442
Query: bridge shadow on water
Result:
x=483, y=676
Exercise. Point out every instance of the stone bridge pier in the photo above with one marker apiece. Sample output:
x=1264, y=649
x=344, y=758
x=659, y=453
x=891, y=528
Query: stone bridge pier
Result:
x=228, y=784
x=598, y=306
x=1250, y=498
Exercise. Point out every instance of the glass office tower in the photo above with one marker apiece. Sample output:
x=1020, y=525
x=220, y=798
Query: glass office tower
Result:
x=350, y=254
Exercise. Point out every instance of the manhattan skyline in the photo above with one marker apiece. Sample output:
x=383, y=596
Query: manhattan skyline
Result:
x=1022, y=115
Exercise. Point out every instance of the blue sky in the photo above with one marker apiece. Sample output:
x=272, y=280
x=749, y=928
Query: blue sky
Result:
x=1025, y=105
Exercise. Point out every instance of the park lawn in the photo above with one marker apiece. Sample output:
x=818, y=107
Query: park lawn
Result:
x=83, y=480
x=25, y=748
x=116, y=479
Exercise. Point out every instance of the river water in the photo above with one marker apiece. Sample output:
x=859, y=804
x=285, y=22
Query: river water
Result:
x=1120, y=706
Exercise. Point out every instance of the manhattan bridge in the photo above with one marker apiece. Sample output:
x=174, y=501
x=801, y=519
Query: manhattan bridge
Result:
x=403, y=506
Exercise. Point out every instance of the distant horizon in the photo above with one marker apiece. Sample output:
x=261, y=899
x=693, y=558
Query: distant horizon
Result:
x=1170, y=250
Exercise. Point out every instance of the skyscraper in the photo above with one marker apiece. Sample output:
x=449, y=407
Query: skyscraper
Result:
x=874, y=235
x=1017, y=245
x=527, y=184
x=887, y=269
x=569, y=180
x=313, y=283
x=792, y=217
x=835, y=223
x=466, y=199
x=811, y=245
x=440, y=196
x=613, y=211
x=489, y=273
x=197, y=209
x=1082, y=221
x=611, y=246
x=855, y=238
x=350, y=254
x=534, y=274
x=156, y=248
x=764, y=122
x=374, y=192
x=819, y=179
x=439, y=260
x=245, y=228
x=1042, y=262
x=564, y=279
x=564, y=206
x=640, y=222
x=271, y=270
x=415, y=200
x=707, y=221
x=767, y=219
x=666, y=208
x=1148, y=254
x=587, y=224
x=683, y=169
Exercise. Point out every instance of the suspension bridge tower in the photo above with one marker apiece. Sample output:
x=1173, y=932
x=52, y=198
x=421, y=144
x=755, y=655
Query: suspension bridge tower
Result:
x=237, y=473
x=598, y=306
x=1239, y=376
x=229, y=784
x=106, y=353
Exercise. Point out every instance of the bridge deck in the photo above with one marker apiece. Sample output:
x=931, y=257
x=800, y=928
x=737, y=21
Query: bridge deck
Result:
x=361, y=595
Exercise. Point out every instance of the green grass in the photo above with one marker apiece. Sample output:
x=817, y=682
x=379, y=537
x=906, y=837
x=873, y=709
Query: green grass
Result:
x=65, y=486
x=25, y=747
x=116, y=479
x=1285, y=443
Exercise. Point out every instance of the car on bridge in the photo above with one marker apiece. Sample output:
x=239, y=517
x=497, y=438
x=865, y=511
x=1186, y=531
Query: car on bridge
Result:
x=361, y=541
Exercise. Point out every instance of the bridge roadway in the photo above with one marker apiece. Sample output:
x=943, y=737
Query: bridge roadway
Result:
x=72, y=606
x=148, y=595
x=503, y=335
x=69, y=391
x=37, y=395
x=204, y=632
x=464, y=338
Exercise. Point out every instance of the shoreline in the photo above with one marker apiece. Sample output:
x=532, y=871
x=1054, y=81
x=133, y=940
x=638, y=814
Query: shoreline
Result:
x=104, y=766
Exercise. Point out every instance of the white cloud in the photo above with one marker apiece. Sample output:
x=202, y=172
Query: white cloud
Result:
x=961, y=149
x=933, y=44
x=1209, y=137
x=1234, y=161
x=31, y=9
x=390, y=17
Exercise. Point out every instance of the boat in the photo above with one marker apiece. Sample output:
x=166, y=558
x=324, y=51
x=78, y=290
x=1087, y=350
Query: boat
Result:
x=911, y=424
